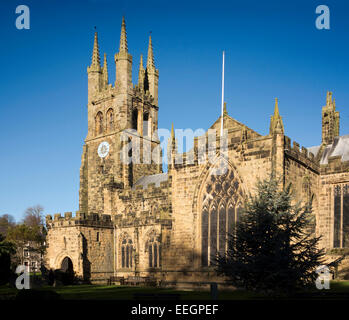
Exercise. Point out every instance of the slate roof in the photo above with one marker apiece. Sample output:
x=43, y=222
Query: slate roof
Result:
x=339, y=147
x=154, y=178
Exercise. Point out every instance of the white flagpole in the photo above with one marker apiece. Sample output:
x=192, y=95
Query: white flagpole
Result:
x=222, y=96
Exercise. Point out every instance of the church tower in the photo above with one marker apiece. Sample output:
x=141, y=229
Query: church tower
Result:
x=330, y=120
x=122, y=136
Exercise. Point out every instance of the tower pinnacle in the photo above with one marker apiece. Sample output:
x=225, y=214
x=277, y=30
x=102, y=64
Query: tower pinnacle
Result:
x=105, y=70
x=276, y=109
x=123, y=37
x=96, y=63
x=123, y=63
x=141, y=74
x=152, y=74
x=150, y=58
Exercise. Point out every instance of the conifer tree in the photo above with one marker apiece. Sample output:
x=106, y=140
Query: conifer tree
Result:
x=273, y=248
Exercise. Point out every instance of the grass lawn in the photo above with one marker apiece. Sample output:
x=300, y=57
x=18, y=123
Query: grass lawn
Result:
x=338, y=290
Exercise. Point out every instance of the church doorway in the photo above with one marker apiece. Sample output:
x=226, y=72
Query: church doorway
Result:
x=67, y=265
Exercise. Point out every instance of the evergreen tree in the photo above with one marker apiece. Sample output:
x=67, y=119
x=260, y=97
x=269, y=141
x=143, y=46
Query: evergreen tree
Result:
x=7, y=249
x=273, y=248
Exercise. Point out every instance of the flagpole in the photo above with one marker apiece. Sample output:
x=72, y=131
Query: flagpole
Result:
x=222, y=106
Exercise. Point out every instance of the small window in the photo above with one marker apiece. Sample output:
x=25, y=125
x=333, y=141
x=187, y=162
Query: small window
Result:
x=135, y=119
x=126, y=253
x=110, y=119
x=154, y=253
x=146, y=124
x=99, y=123
x=341, y=216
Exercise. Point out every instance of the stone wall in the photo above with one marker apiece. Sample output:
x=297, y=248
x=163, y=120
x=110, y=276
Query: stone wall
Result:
x=86, y=239
x=335, y=172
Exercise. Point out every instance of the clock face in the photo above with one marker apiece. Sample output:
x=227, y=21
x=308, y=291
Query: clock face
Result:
x=103, y=149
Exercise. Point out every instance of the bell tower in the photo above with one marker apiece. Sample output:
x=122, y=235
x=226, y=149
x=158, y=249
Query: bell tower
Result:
x=122, y=123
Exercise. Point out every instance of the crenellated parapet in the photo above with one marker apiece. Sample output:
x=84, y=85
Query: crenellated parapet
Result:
x=335, y=165
x=80, y=219
x=301, y=154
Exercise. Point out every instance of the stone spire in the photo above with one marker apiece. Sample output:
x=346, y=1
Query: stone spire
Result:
x=141, y=74
x=96, y=62
x=276, y=124
x=105, y=71
x=123, y=37
x=150, y=58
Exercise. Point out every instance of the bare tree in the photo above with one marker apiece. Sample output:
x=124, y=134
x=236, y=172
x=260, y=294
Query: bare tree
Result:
x=33, y=216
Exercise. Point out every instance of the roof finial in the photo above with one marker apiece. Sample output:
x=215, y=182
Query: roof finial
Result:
x=276, y=124
x=123, y=37
x=276, y=109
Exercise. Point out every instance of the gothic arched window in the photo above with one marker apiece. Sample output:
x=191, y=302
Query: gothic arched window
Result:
x=126, y=253
x=154, y=252
x=219, y=221
x=99, y=123
x=213, y=233
x=222, y=229
x=306, y=188
x=341, y=216
x=204, y=237
x=110, y=120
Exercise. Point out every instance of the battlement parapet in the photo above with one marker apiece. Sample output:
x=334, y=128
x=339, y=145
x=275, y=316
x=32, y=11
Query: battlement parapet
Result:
x=300, y=154
x=335, y=165
x=80, y=219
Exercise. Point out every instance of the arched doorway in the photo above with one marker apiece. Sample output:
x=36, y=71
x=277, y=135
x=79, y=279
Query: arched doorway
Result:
x=67, y=265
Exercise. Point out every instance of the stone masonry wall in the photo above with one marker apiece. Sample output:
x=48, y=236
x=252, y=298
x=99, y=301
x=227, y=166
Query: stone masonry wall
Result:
x=86, y=240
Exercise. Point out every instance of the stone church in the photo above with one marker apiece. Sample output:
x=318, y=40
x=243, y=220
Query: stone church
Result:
x=136, y=220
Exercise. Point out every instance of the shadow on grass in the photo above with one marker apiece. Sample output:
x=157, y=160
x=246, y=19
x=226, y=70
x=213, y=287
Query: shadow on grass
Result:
x=338, y=290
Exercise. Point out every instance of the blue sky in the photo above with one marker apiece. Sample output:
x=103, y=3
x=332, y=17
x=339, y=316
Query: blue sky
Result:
x=272, y=50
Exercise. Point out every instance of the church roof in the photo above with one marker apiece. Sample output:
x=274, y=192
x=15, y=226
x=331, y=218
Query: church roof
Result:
x=339, y=148
x=154, y=178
